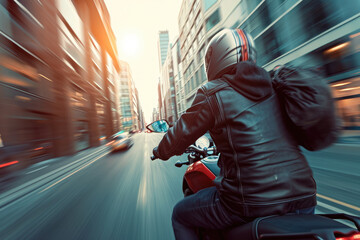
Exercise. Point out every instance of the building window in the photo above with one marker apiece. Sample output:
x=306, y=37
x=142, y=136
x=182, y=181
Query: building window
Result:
x=69, y=13
x=347, y=95
x=213, y=20
x=208, y=4
x=197, y=20
x=191, y=15
x=200, y=54
x=203, y=74
x=196, y=4
x=305, y=21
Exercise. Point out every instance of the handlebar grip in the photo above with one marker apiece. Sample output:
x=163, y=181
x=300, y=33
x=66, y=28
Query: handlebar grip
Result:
x=153, y=157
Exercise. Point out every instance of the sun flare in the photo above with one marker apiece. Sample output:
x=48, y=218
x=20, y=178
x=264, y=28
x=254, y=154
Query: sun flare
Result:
x=130, y=45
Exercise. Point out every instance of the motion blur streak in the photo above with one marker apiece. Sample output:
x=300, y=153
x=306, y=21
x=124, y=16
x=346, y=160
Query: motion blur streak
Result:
x=142, y=195
x=8, y=164
x=73, y=173
x=59, y=73
x=339, y=202
x=125, y=195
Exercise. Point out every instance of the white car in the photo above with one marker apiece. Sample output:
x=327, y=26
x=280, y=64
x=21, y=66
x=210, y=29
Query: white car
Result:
x=121, y=141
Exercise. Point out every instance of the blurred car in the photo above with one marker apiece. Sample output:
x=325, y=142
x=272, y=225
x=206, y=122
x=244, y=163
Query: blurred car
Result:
x=135, y=131
x=121, y=141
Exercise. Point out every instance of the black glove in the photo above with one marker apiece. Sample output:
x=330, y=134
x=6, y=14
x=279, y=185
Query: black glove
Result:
x=157, y=154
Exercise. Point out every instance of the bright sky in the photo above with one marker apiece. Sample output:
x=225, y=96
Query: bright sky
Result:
x=136, y=24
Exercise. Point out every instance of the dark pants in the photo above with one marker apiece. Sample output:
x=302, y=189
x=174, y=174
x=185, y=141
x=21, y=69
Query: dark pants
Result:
x=204, y=210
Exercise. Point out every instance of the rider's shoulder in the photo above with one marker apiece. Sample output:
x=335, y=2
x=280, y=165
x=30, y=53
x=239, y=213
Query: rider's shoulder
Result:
x=213, y=86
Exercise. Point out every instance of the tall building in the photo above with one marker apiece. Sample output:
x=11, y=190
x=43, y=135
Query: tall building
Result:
x=57, y=76
x=163, y=44
x=168, y=88
x=140, y=114
x=160, y=105
x=198, y=22
x=130, y=118
x=178, y=78
x=155, y=115
x=167, y=93
x=319, y=34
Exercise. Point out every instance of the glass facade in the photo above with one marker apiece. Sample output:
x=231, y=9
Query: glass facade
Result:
x=128, y=100
x=163, y=46
x=271, y=29
x=208, y=4
x=213, y=20
x=317, y=34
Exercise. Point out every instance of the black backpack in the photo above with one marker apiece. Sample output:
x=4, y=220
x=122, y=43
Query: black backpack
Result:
x=307, y=100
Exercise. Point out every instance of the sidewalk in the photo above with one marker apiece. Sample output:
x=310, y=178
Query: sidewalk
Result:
x=36, y=170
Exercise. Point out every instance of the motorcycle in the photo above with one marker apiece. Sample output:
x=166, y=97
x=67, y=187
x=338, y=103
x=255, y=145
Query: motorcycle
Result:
x=202, y=170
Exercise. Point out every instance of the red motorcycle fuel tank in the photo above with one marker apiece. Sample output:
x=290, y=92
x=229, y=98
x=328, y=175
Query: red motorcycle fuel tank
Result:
x=201, y=174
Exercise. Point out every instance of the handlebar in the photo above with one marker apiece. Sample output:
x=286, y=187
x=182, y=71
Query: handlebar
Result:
x=192, y=148
x=199, y=150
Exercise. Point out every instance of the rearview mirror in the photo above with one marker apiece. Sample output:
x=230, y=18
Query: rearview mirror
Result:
x=158, y=126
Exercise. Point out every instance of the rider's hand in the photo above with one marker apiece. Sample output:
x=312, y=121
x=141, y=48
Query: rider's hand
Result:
x=157, y=154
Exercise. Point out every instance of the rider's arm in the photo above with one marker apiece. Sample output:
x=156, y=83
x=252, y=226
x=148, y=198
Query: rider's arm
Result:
x=194, y=123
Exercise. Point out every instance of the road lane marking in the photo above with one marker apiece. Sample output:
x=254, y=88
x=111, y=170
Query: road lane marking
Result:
x=337, y=210
x=36, y=170
x=142, y=193
x=84, y=166
x=339, y=202
x=146, y=148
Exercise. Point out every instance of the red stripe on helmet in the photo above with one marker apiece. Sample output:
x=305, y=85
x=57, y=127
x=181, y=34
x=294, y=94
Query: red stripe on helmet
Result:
x=244, y=48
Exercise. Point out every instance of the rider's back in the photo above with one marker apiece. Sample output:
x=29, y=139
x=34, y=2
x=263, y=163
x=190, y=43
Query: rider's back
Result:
x=263, y=172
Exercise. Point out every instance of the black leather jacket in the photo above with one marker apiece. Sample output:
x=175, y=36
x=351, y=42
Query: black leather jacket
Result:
x=263, y=171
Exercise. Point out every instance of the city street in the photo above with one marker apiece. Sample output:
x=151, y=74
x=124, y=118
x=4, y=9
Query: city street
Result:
x=81, y=77
x=101, y=195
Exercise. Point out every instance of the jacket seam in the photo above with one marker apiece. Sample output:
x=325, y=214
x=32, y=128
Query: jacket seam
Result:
x=210, y=91
x=207, y=97
x=214, y=112
x=221, y=113
x=238, y=170
x=218, y=88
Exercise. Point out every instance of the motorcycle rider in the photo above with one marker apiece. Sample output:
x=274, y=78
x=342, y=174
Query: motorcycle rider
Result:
x=263, y=171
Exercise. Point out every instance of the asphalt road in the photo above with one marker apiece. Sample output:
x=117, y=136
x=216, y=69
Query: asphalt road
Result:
x=124, y=195
x=337, y=173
